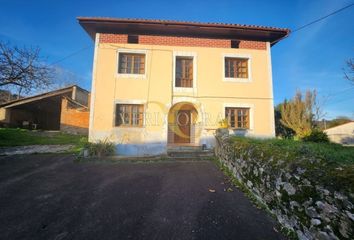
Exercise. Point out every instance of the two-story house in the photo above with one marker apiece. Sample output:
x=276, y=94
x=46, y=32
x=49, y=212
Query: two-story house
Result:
x=158, y=84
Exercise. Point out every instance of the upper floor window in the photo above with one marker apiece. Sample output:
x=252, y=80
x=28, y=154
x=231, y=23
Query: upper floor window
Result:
x=236, y=67
x=238, y=117
x=131, y=63
x=184, y=72
x=129, y=115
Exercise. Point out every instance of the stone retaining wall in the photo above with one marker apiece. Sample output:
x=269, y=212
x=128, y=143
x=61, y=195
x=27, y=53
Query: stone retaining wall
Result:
x=310, y=209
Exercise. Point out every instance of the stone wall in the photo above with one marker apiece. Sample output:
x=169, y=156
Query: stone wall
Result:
x=292, y=190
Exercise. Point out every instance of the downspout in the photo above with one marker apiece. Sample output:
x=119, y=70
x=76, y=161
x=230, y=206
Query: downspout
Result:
x=270, y=79
x=93, y=88
x=73, y=94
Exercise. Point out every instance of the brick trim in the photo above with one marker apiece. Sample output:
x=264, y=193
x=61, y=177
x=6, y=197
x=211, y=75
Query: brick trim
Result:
x=253, y=45
x=182, y=41
x=113, y=38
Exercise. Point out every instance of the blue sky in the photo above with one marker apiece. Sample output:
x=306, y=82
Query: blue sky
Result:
x=312, y=58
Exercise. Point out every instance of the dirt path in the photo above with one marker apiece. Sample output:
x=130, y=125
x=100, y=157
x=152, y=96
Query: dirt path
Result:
x=31, y=149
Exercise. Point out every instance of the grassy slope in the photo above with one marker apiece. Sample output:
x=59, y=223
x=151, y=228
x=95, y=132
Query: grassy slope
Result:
x=21, y=137
x=336, y=168
x=332, y=153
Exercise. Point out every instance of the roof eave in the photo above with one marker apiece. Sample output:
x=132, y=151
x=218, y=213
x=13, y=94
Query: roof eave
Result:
x=154, y=27
x=40, y=96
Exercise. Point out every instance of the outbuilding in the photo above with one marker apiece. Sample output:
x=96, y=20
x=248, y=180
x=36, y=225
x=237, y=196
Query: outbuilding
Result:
x=342, y=134
x=65, y=109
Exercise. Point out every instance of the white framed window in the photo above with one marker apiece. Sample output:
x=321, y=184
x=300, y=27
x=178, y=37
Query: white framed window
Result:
x=184, y=71
x=131, y=63
x=237, y=68
x=240, y=116
x=129, y=113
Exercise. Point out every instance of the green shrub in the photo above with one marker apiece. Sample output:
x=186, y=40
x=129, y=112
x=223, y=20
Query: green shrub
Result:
x=316, y=136
x=100, y=148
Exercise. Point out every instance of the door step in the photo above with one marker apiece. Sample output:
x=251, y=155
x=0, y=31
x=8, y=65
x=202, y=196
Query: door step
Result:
x=189, y=152
x=184, y=148
x=189, y=159
x=183, y=154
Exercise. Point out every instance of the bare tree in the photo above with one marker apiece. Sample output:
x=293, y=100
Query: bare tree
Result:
x=349, y=70
x=300, y=113
x=23, y=69
x=64, y=78
x=317, y=107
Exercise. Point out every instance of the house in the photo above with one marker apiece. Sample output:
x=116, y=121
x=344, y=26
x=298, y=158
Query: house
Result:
x=159, y=85
x=65, y=109
x=342, y=134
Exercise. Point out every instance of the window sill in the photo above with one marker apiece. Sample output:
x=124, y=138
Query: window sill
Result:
x=238, y=80
x=129, y=127
x=133, y=76
x=183, y=89
x=241, y=129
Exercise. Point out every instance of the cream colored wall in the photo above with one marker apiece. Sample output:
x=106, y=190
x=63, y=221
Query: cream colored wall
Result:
x=4, y=115
x=342, y=134
x=211, y=95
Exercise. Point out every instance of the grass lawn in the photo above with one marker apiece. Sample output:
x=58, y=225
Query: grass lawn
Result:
x=335, y=168
x=10, y=137
x=331, y=152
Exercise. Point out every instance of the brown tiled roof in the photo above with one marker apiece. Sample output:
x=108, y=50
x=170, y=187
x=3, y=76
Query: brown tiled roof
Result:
x=171, y=27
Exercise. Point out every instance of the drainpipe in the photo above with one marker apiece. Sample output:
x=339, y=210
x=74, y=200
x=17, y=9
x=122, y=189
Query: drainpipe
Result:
x=73, y=95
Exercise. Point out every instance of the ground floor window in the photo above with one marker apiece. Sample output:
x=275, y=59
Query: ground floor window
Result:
x=237, y=117
x=130, y=115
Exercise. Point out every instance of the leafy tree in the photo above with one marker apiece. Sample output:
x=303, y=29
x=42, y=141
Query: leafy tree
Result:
x=280, y=129
x=23, y=68
x=300, y=112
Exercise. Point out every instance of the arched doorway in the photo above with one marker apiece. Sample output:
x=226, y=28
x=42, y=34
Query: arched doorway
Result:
x=182, y=119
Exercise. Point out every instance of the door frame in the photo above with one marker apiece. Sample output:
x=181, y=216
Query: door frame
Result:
x=172, y=123
x=189, y=130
